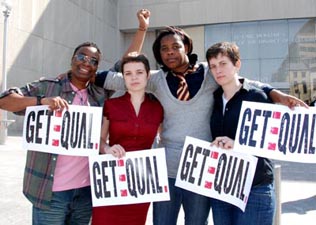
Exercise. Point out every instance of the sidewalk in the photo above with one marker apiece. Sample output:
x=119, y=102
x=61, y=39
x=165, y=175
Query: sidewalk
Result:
x=298, y=189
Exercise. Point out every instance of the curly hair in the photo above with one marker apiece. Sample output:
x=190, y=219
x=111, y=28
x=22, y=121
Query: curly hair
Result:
x=186, y=39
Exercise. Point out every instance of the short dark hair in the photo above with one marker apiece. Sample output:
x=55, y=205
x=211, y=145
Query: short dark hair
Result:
x=229, y=49
x=134, y=57
x=186, y=39
x=86, y=44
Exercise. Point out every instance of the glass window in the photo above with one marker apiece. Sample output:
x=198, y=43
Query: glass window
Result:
x=250, y=69
x=274, y=70
x=273, y=39
x=245, y=36
x=217, y=33
x=279, y=52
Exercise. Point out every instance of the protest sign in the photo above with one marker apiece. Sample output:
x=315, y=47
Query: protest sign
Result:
x=75, y=131
x=140, y=176
x=277, y=132
x=216, y=173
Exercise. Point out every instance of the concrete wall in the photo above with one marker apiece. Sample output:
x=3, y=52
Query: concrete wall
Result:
x=42, y=35
x=192, y=15
x=175, y=12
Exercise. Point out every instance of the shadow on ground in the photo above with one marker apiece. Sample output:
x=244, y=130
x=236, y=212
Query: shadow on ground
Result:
x=301, y=206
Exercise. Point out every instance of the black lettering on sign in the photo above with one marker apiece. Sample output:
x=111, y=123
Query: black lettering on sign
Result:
x=295, y=134
x=83, y=131
x=240, y=179
x=100, y=178
x=234, y=182
x=150, y=177
x=206, y=153
x=158, y=186
x=219, y=176
x=254, y=127
x=311, y=137
x=266, y=115
x=304, y=135
x=112, y=165
x=130, y=174
x=39, y=126
x=230, y=174
x=185, y=168
x=246, y=134
x=140, y=179
x=244, y=130
x=76, y=130
x=284, y=132
x=190, y=163
x=96, y=182
x=30, y=127
x=65, y=129
x=194, y=164
x=34, y=126
x=90, y=144
x=142, y=176
x=49, y=116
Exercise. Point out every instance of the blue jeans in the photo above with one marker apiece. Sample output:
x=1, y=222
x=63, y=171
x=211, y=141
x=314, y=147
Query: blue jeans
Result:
x=196, y=207
x=260, y=209
x=71, y=207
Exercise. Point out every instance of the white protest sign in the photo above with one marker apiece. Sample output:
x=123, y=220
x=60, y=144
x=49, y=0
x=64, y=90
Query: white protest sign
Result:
x=75, y=131
x=216, y=173
x=277, y=132
x=140, y=176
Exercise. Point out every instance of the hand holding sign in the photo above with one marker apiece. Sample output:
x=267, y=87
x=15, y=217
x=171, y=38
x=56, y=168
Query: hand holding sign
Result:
x=116, y=150
x=223, y=142
x=55, y=103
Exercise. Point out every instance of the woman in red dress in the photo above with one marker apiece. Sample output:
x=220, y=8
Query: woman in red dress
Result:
x=130, y=123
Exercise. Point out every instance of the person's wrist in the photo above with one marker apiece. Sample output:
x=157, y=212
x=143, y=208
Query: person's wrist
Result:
x=142, y=28
x=39, y=99
x=106, y=149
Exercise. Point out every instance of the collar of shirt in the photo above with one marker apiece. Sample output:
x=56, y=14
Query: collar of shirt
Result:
x=81, y=96
x=193, y=79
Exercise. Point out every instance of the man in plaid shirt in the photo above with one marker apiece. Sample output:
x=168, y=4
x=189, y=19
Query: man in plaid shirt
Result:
x=58, y=185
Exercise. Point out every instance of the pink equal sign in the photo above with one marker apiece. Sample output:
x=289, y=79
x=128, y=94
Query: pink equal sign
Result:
x=274, y=130
x=120, y=162
x=122, y=177
x=58, y=113
x=276, y=115
x=57, y=128
x=211, y=170
x=123, y=193
x=208, y=185
x=271, y=146
x=214, y=155
x=55, y=142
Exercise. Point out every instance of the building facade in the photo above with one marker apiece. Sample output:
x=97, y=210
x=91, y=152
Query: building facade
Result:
x=277, y=38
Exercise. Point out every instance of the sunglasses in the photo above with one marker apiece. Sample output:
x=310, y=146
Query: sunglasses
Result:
x=83, y=58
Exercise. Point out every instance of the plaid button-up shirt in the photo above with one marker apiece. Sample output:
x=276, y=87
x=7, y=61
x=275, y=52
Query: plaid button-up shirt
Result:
x=40, y=167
